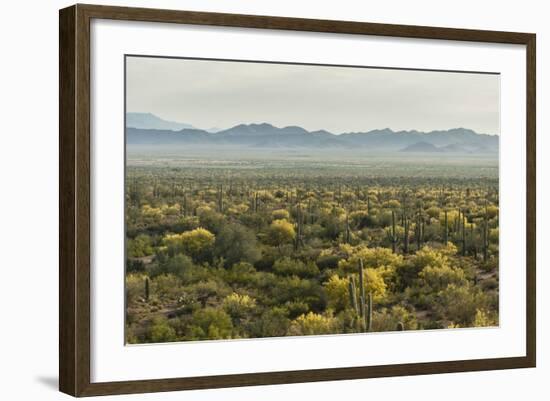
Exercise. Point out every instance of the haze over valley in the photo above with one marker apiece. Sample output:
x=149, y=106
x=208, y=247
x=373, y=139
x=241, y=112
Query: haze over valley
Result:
x=145, y=130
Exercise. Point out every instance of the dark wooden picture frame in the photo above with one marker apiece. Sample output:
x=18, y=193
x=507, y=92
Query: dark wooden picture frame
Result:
x=74, y=203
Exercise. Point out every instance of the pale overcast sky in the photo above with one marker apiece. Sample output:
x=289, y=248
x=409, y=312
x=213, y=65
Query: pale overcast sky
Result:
x=222, y=94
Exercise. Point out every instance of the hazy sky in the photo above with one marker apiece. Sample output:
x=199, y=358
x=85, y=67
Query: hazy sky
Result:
x=219, y=94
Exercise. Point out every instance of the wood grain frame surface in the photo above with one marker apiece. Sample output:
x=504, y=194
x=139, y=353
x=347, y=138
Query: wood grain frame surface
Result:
x=74, y=199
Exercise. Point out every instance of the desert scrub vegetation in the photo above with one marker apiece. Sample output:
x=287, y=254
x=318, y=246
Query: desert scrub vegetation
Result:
x=238, y=252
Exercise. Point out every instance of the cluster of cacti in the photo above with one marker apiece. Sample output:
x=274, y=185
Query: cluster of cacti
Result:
x=458, y=219
x=255, y=202
x=307, y=277
x=409, y=226
x=362, y=304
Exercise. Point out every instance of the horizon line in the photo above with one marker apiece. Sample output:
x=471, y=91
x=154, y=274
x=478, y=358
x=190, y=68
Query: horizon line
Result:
x=207, y=130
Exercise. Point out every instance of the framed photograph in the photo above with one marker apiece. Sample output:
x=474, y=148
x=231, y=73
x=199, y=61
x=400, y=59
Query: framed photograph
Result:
x=250, y=200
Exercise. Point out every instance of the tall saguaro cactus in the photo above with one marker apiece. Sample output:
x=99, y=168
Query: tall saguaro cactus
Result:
x=463, y=234
x=254, y=202
x=146, y=289
x=473, y=241
x=368, y=204
x=446, y=232
x=362, y=295
x=364, y=307
x=299, y=227
x=156, y=190
x=393, y=234
x=419, y=228
x=353, y=294
x=220, y=198
x=368, y=322
x=347, y=235
x=485, y=236
x=183, y=209
x=406, y=226
x=134, y=193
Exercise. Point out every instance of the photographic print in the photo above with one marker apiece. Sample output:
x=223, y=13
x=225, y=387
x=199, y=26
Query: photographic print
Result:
x=268, y=199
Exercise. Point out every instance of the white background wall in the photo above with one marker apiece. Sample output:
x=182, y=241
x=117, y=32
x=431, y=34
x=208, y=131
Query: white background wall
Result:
x=28, y=196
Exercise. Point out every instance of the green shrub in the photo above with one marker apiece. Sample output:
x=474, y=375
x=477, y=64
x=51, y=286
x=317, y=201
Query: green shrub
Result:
x=273, y=322
x=312, y=323
x=287, y=266
x=139, y=246
x=236, y=243
x=162, y=332
x=210, y=324
x=238, y=306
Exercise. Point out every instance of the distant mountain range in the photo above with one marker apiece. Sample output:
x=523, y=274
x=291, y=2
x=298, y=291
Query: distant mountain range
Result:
x=457, y=140
x=151, y=121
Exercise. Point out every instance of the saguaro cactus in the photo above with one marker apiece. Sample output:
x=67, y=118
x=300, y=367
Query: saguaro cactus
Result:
x=368, y=322
x=473, y=241
x=347, y=235
x=364, y=307
x=134, y=193
x=485, y=236
x=362, y=298
x=418, y=229
x=393, y=234
x=220, y=198
x=254, y=201
x=368, y=204
x=406, y=226
x=353, y=294
x=183, y=210
x=299, y=227
x=422, y=229
x=446, y=232
x=146, y=289
x=463, y=234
